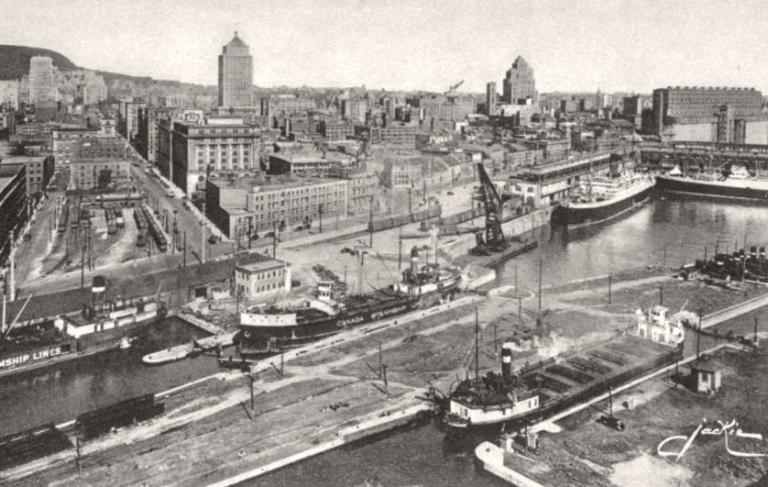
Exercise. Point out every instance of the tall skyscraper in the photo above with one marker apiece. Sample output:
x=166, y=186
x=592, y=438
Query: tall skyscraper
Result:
x=519, y=83
x=490, y=98
x=42, y=80
x=235, y=74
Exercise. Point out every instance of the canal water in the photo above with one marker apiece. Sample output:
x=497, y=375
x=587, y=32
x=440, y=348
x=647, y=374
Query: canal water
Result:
x=60, y=392
x=669, y=230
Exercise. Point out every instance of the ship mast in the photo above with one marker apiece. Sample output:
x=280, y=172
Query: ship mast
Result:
x=477, y=346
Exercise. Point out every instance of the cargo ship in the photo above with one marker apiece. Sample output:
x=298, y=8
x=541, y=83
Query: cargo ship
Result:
x=101, y=325
x=270, y=329
x=534, y=393
x=602, y=198
x=739, y=184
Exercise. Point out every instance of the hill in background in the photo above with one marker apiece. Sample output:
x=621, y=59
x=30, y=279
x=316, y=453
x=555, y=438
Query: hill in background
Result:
x=14, y=60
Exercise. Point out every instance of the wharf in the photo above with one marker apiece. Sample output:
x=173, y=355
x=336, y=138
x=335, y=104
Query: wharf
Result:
x=325, y=398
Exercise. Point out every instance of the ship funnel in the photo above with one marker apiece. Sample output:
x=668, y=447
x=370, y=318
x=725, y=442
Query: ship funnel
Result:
x=414, y=260
x=506, y=359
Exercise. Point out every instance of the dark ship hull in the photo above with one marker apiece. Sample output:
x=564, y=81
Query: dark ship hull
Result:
x=577, y=215
x=552, y=402
x=259, y=340
x=743, y=189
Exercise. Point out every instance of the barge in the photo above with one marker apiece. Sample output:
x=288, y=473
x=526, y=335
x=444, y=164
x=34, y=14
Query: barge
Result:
x=532, y=394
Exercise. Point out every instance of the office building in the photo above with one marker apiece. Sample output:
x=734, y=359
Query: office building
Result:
x=240, y=205
x=490, y=98
x=89, y=173
x=148, y=121
x=38, y=169
x=336, y=130
x=9, y=93
x=723, y=115
x=396, y=135
x=13, y=206
x=188, y=150
x=262, y=278
x=519, y=83
x=235, y=74
x=42, y=81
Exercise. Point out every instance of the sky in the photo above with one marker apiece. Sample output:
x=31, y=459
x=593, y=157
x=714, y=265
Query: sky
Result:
x=574, y=45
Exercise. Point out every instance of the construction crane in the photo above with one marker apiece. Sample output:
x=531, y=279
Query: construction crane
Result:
x=454, y=87
x=493, y=204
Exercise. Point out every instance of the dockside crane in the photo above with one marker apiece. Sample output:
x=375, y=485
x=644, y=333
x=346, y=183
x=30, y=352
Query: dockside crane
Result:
x=493, y=205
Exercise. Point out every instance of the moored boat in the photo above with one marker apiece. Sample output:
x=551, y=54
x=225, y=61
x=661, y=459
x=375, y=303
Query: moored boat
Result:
x=535, y=393
x=269, y=329
x=602, y=198
x=739, y=184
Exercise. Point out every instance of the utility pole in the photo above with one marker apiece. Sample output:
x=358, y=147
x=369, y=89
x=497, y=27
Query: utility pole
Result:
x=250, y=232
x=609, y=289
x=252, y=402
x=370, y=224
x=698, y=339
x=185, y=248
x=755, y=331
x=540, y=267
x=320, y=217
x=82, y=266
x=274, y=240
x=12, y=277
x=399, y=253
x=477, y=345
x=202, y=241
x=381, y=369
x=661, y=295
x=517, y=290
x=495, y=338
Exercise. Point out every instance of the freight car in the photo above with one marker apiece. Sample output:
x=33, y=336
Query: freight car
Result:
x=156, y=231
x=141, y=226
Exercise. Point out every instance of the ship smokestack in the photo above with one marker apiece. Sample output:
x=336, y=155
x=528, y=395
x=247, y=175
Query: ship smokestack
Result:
x=414, y=260
x=506, y=359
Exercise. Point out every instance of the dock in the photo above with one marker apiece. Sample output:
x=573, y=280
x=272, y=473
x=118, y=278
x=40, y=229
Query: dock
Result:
x=218, y=339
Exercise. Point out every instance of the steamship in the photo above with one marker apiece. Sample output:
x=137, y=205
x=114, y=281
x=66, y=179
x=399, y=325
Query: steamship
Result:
x=602, y=198
x=739, y=184
x=100, y=325
x=537, y=392
x=269, y=329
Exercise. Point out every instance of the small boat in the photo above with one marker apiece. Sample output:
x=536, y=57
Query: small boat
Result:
x=126, y=343
x=168, y=355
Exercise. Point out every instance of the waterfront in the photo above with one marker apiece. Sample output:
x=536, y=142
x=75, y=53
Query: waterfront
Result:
x=60, y=392
x=415, y=455
x=650, y=235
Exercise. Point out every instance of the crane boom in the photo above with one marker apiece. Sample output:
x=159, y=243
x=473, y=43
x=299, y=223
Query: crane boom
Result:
x=492, y=204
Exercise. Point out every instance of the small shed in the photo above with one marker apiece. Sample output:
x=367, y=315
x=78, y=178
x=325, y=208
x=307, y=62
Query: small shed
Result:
x=706, y=379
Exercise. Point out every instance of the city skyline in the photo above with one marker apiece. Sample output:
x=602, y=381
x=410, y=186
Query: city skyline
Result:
x=614, y=46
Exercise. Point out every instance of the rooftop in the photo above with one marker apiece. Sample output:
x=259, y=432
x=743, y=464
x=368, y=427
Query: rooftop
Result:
x=267, y=183
x=262, y=265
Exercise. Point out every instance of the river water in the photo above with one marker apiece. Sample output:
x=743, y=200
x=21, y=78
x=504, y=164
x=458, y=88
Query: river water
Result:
x=668, y=230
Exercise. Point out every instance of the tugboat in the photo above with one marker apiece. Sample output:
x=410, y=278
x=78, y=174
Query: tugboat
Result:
x=270, y=329
x=537, y=392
